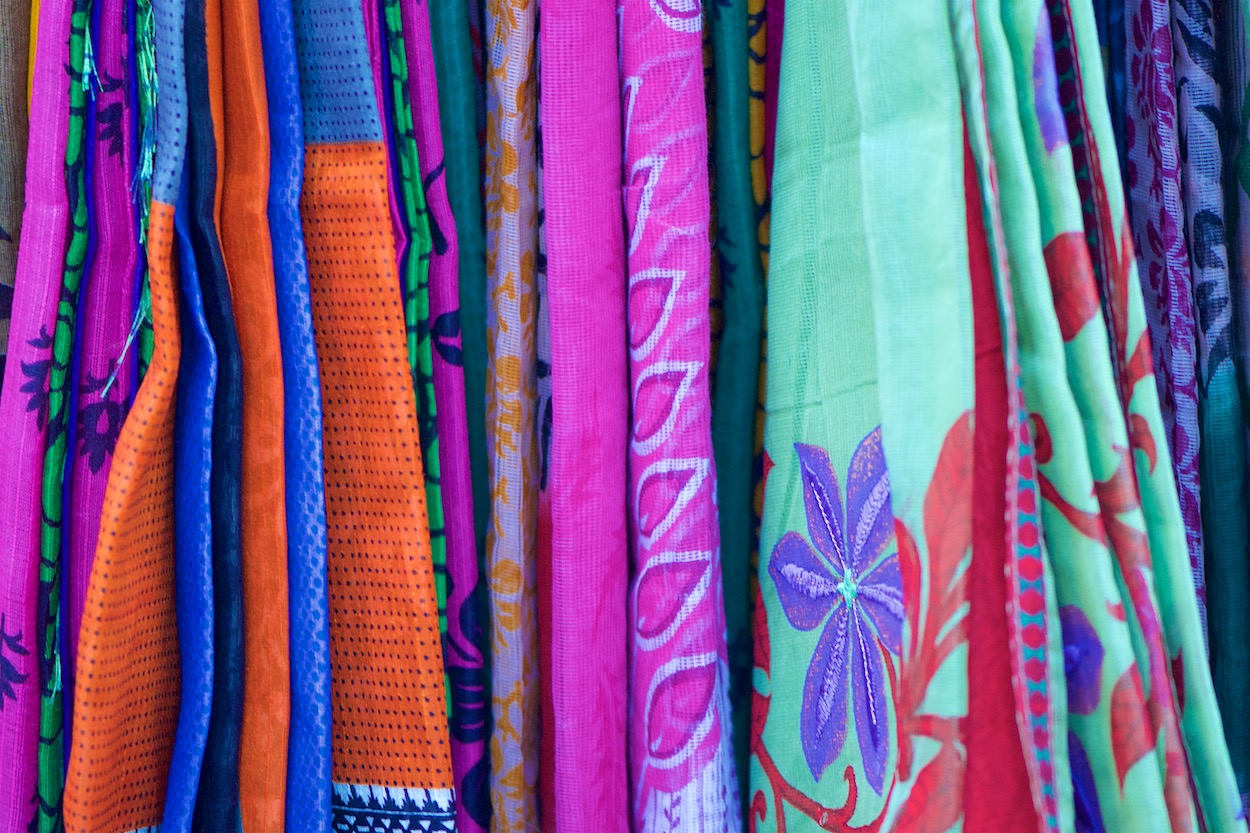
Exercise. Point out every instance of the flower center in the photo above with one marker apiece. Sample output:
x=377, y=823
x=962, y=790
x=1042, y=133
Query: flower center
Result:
x=849, y=590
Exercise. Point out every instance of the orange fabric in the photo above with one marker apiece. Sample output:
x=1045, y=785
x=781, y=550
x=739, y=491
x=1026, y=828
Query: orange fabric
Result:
x=390, y=722
x=126, y=697
x=248, y=254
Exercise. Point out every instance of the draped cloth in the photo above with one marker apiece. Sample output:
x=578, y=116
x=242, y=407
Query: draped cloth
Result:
x=1157, y=216
x=464, y=642
x=193, y=533
x=512, y=237
x=249, y=260
x=14, y=71
x=308, y=758
x=390, y=727
x=585, y=574
x=680, y=751
x=24, y=413
x=107, y=303
x=126, y=706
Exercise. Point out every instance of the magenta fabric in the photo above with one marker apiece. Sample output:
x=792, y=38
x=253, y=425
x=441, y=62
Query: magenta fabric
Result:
x=585, y=779
x=462, y=652
x=680, y=753
x=774, y=21
x=23, y=424
x=106, y=307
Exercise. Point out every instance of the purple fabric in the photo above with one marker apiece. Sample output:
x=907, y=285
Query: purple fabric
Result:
x=585, y=682
x=106, y=307
x=1156, y=212
x=23, y=412
x=680, y=754
x=462, y=653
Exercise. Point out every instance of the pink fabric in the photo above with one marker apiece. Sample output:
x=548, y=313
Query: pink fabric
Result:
x=462, y=654
x=106, y=308
x=583, y=624
x=679, y=707
x=22, y=422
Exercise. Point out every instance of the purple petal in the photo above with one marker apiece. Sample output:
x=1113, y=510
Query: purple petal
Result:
x=869, y=519
x=805, y=586
x=823, y=504
x=871, y=704
x=881, y=597
x=1082, y=660
x=822, y=723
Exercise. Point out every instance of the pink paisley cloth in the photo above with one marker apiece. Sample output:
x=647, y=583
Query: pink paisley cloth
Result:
x=1157, y=215
x=107, y=300
x=680, y=754
x=23, y=425
x=462, y=653
x=585, y=782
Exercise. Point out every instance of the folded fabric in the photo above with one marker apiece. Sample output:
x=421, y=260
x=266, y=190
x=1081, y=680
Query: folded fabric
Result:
x=15, y=52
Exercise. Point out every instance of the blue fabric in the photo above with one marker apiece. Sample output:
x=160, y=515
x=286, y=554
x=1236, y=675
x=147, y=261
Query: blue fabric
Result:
x=333, y=59
x=217, y=805
x=308, y=761
x=171, y=122
x=193, y=552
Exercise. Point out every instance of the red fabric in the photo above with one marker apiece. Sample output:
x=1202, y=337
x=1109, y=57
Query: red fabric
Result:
x=997, y=797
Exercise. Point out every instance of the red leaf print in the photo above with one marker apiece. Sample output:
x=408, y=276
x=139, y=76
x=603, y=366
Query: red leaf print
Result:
x=909, y=566
x=1140, y=364
x=1042, y=446
x=948, y=507
x=1071, y=282
x=1117, y=610
x=1178, y=679
x=936, y=800
x=1142, y=438
x=1131, y=738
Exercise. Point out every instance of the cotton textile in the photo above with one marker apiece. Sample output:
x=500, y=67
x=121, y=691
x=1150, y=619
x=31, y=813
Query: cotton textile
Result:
x=680, y=754
x=45, y=224
x=585, y=579
x=15, y=49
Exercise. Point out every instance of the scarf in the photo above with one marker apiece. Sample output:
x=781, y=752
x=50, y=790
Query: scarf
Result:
x=104, y=373
x=126, y=710
x=585, y=571
x=24, y=416
x=308, y=760
x=464, y=642
x=680, y=754
x=14, y=57
x=511, y=365
x=193, y=549
x=390, y=751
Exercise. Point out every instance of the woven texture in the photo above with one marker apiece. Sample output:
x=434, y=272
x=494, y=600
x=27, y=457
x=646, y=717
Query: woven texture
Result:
x=308, y=762
x=14, y=59
x=389, y=709
x=584, y=672
x=105, y=375
x=512, y=229
x=193, y=534
x=680, y=755
x=24, y=412
x=248, y=254
x=464, y=643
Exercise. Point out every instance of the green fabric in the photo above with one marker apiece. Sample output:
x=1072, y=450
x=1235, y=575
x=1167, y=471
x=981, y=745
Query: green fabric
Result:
x=145, y=65
x=825, y=395
x=1085, y=581
x=737, y=368
x=51, y=738
x=457, y=95
x=1204, y=742
x=415, y=287
x=986, y=79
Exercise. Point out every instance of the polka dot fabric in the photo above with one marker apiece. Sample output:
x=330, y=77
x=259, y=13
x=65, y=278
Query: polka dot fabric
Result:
x=389, y=713
x=126, y=697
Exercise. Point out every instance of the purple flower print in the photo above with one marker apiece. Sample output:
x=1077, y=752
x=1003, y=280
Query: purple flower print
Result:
x=1082, y=660
x=847, y=580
